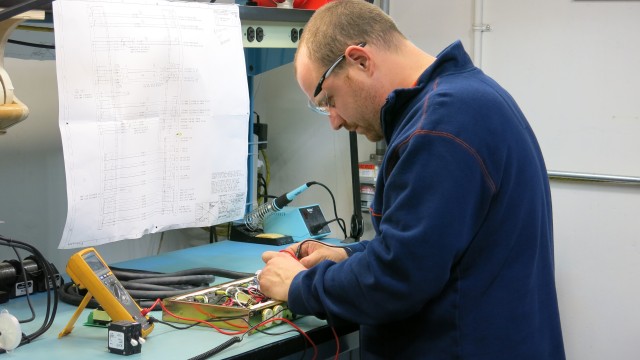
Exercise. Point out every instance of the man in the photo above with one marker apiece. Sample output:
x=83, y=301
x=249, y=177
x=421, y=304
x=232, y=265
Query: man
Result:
x=461, y=266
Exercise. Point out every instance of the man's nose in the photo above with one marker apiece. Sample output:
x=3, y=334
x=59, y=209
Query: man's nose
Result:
x=336, y=120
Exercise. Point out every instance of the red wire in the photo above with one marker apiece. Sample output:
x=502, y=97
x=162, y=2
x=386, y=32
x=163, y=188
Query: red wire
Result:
x=202, y=322
x=337, y=342
x=144, y=312
x=213, y=316
x=290, y=253
x=315, y=348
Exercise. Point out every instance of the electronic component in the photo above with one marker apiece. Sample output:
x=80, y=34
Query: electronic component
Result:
x=306, y=222
x=87, y=269
x=98, y=317
x=12, y=278
x=13, y=274
x=125, y=337
x=236, y=305
x=261, y=131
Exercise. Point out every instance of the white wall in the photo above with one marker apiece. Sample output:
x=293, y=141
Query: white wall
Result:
x=433, y=25
x=573, y=68
x=597, y=269
x=574, y=65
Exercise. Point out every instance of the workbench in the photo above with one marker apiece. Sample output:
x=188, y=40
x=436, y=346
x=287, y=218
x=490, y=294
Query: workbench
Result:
x=164, y=342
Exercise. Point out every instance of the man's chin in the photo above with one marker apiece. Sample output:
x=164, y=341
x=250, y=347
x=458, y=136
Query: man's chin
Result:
x=372, y=137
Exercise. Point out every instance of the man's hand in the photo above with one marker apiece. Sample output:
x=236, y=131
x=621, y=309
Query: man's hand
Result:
x=278, y=273
x=281, y=267
x=312, y=252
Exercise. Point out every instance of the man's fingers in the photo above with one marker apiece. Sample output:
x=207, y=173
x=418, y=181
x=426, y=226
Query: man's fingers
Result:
x=268, y=255
x=308, y=261
x=294, y=248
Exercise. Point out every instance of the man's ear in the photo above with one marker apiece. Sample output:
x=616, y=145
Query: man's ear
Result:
x=360, y=56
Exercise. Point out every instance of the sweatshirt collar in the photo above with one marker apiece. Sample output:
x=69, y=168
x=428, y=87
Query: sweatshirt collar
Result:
x=453, y=59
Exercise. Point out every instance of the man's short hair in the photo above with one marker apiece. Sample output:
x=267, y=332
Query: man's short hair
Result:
x=340, y=23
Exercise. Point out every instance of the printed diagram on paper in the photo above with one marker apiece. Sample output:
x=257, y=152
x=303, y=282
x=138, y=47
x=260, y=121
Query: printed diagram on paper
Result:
x=154, y=111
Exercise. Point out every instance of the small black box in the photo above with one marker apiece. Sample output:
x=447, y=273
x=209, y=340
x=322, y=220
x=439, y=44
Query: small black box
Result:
x=261, y=131
x=124, y=337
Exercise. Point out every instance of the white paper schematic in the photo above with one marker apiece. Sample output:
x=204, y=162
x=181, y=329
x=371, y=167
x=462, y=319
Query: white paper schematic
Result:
x=154, y=111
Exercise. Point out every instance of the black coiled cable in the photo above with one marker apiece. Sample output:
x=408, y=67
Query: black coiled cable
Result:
x=147, y=286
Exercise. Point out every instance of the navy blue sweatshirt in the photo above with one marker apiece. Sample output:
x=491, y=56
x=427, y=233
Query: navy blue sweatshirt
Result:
x=461, y=266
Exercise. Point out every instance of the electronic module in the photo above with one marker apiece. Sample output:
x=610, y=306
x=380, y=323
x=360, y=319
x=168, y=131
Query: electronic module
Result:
x=236, y=305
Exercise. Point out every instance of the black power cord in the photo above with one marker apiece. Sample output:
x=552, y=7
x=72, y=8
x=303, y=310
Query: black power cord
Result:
x=233, y=340
x=24, y=43
x=49, y=281
x=335, y=209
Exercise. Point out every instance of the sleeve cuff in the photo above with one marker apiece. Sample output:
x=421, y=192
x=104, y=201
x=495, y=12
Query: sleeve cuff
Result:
x=355, y=248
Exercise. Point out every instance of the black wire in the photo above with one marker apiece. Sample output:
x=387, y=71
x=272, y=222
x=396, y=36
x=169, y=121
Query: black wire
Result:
x=256, y=328
x=215, y=233
x=26, y=287
x=24, y=43
x=342, y=224
x=49, y=276
x=217, y=349
x=315, y=229
x=237, y=339
x=262, y=183
x=299, y=249
x=335, y=209
x=49, y=279
x=155, y=320
x=275, y=333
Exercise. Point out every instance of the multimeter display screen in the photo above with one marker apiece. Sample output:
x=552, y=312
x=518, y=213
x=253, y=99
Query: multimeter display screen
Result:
x=94, y=263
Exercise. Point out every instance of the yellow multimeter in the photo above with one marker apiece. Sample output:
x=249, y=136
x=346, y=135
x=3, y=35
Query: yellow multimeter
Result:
x=88, y=270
